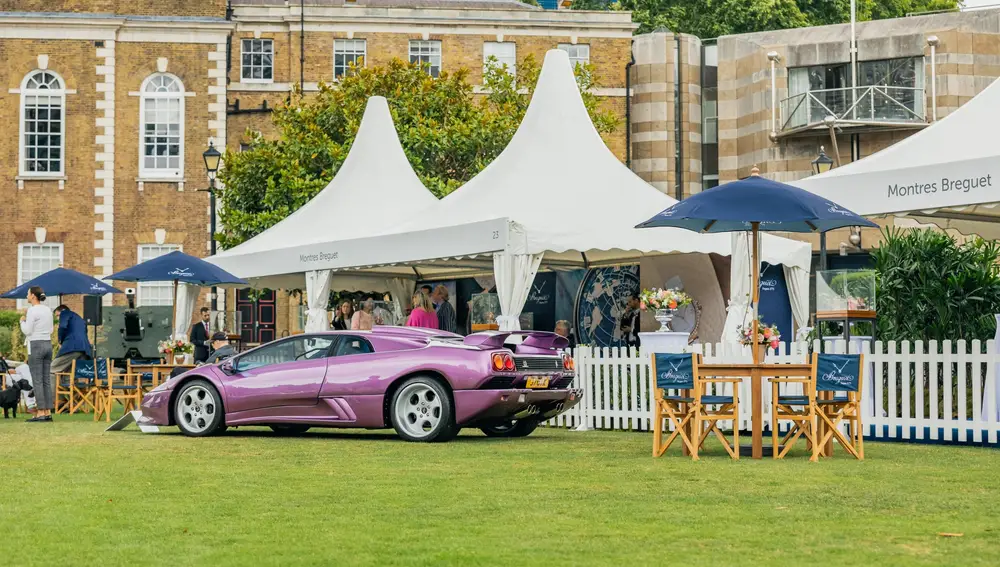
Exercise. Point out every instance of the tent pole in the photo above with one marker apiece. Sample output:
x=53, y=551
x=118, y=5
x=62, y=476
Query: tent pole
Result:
x=755, y=290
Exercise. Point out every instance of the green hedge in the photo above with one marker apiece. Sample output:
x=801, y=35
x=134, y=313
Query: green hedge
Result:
x=9, y=318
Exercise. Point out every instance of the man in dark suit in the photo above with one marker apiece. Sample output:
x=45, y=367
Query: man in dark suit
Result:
x=200, y=336
x=72, y=340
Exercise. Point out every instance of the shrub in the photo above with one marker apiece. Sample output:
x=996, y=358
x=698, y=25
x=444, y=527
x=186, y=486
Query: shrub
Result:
x=5, y=344
x=931, y=287
x=9, y=318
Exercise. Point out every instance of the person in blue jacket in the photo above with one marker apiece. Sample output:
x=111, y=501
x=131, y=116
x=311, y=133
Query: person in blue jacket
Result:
x=72, y=340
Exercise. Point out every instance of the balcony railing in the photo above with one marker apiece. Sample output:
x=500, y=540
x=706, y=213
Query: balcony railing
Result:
x=861, y=106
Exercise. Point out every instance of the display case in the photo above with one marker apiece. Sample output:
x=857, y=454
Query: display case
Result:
x=483, y=311
x=846, y=300
x=841, y=291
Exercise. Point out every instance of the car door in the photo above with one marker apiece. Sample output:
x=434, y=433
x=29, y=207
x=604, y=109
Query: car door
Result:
x=354, y=368
x=288, y=372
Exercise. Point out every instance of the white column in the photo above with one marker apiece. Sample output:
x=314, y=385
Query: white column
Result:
x=104, y=140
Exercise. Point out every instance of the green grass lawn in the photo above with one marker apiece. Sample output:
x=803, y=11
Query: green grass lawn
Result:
x=76, y=496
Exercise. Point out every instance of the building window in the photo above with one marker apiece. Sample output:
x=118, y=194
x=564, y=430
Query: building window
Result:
x=162, y=113
x=709, y=117
x=579, y=54
x=43, y=100
x=257, y=61
x=427, y=53
x=503, y=55
x=154, y=293
x=34, y=260
x=347, y=52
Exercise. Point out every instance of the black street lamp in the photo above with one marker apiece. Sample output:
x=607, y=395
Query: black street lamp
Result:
x=213, y=158
x=822, y=164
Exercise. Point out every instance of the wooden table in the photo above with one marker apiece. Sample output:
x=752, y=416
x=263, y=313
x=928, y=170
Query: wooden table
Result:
x=158, y=370
x=757, y=372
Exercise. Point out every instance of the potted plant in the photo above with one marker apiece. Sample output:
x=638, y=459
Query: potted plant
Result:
x=663, y=302
x=767, y=336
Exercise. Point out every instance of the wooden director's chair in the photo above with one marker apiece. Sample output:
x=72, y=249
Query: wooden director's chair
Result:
x=682, y=399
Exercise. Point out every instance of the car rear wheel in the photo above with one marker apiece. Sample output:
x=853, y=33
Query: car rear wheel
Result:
x=511, y=428
x=289, y=429
x=422, y=411
x=198, y=409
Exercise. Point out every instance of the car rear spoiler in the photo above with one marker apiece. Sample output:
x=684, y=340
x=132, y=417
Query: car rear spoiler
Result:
x=532, y=339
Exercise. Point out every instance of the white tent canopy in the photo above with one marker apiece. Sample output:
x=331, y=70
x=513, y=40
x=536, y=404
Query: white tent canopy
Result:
x=949, y=171
x=374, y=190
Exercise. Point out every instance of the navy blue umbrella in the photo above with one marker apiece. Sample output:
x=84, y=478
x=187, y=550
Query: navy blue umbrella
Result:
x=772, y=206
x=177, y=267
x=62, y=281
x=755, y=204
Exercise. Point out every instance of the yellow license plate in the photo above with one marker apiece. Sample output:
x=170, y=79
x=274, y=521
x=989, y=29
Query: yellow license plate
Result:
x=538, y=382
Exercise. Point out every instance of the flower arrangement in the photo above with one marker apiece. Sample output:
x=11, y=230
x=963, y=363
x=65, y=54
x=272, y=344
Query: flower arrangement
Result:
x=657, y=298
x=175, y=345
x=766, y=334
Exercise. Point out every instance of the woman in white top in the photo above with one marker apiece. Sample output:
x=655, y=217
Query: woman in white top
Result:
x=37, y=328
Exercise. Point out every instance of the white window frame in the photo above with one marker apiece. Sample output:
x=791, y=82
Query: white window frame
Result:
x=429, y=43
x=570, y=47
x=142, y=288
x=50, y=301
x=363, y=53
x=22, y=134
x=144, y=97
x=243, y=51
x=509, y=60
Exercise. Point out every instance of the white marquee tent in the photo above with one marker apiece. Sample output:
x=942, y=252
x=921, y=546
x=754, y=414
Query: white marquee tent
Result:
x=947, y=174
x=555, y=197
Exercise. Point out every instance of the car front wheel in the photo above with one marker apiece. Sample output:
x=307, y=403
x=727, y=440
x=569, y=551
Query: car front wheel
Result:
x=510, y=428
x=198, y=409
x=422, y=411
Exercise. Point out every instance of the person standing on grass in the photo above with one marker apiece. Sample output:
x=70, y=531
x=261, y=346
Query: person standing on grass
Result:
x=445, y=311
x=73, y=343
x=199, y=335
x=37, y=328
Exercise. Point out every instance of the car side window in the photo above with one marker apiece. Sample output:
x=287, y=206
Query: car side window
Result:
x=350, y=344
x=288, y=350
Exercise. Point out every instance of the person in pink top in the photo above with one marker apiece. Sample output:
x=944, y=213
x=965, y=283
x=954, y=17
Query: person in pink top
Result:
x=423, y=314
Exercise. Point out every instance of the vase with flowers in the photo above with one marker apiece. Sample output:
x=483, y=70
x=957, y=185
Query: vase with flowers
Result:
x=767, y=336
x=176, y=349
x=663, y=302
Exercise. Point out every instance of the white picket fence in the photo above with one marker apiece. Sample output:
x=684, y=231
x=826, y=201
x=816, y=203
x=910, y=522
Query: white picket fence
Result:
x=925, y=392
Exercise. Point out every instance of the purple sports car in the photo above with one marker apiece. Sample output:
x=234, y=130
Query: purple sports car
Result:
x=426, y=384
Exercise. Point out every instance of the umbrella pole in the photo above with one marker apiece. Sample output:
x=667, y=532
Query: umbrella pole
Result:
x=173, y=319
x=756, y=290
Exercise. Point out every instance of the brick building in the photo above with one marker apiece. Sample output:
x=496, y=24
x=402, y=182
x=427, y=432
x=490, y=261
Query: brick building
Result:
x=110, y=104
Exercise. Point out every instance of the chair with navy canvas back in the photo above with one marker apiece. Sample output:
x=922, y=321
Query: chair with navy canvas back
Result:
x=146, y=381
x=62, y=398
x=122, y=387
x=839, y=375
x=816, y=416
x=682, y=398
x=84, y=386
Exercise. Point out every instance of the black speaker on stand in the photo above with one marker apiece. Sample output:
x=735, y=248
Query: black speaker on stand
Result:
x=92, y=313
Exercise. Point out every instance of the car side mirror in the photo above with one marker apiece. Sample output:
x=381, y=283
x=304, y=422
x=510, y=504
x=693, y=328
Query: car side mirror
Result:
x=227, y=367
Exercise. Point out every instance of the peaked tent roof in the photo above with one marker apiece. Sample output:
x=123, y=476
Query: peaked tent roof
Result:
x=573, y=198
x=951, y=170
x=375, y=171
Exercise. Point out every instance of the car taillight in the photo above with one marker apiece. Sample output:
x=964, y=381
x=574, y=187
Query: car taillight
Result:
x=568, y=363
x=503, y=362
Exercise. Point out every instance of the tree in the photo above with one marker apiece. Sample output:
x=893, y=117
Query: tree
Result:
x=447, y=131
x=713, y=18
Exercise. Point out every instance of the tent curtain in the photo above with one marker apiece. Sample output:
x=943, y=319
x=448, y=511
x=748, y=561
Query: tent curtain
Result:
x=401, y=290
x=797, y=281
x=187, y=295
x=739, y=311
x=318, y=298
x=514, y=275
